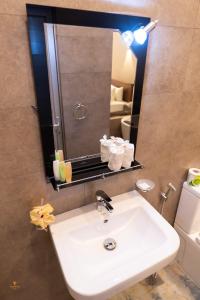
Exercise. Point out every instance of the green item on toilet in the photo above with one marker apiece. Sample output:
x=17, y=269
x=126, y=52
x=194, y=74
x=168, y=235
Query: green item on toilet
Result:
x=195, y=181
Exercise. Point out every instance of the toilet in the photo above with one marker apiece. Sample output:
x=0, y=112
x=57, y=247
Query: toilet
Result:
x=126, y=127
x=187, y=225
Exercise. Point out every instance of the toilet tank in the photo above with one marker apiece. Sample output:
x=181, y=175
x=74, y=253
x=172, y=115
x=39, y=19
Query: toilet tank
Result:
x=188, y=213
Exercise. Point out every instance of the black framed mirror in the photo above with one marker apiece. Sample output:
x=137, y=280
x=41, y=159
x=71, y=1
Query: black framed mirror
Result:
x=78, y=61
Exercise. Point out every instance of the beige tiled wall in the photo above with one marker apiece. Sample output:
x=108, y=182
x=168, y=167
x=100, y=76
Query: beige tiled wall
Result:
x=168, y=141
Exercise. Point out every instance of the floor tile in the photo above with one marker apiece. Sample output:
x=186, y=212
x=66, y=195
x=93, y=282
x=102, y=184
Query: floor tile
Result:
x=172, y=284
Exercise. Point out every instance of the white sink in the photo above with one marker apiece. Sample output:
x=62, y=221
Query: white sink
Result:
x=145, y=244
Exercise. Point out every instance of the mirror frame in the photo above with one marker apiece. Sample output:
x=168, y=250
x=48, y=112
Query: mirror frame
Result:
x=37, y=16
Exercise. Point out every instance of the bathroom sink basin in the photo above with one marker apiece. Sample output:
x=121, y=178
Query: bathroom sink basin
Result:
x=145, y=243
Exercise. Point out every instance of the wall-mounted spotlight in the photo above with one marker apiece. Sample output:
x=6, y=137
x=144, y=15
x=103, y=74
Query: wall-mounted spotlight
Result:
x=139, y=35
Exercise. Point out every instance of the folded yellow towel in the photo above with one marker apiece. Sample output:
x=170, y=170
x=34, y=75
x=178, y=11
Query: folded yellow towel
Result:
x=41, y=215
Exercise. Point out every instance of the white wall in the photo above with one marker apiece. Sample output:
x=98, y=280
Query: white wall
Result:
x=123, y=61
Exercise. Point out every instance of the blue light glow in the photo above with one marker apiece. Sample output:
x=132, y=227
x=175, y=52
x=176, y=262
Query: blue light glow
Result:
x=128, y=37
x=140, y=35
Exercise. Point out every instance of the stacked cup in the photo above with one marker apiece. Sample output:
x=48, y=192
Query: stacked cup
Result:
x=128, y=155
x=115, y=157
x=118, y=152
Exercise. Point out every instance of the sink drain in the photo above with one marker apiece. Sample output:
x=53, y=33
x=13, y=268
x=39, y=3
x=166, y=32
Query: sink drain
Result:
x=110, y=244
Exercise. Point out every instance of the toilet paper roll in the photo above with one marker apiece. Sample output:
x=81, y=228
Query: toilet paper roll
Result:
x=192, y=174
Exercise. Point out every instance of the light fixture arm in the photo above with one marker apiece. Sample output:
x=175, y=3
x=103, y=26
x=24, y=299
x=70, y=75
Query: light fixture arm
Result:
x=149, y=27
x=139, y=35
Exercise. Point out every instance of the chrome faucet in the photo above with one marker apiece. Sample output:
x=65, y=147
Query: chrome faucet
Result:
x=103, y=201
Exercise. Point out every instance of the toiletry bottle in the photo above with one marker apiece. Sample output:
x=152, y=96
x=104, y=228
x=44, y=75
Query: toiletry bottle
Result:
x=62, y=169
x=68, y=167
x=59, y=155
x=56, y=170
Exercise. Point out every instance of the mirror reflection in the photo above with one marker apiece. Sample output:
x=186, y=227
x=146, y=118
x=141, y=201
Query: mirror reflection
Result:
x=91, y=76
x=122, y=86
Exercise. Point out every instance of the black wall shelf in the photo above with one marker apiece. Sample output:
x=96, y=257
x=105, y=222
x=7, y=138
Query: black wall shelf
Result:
x=100, y=171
